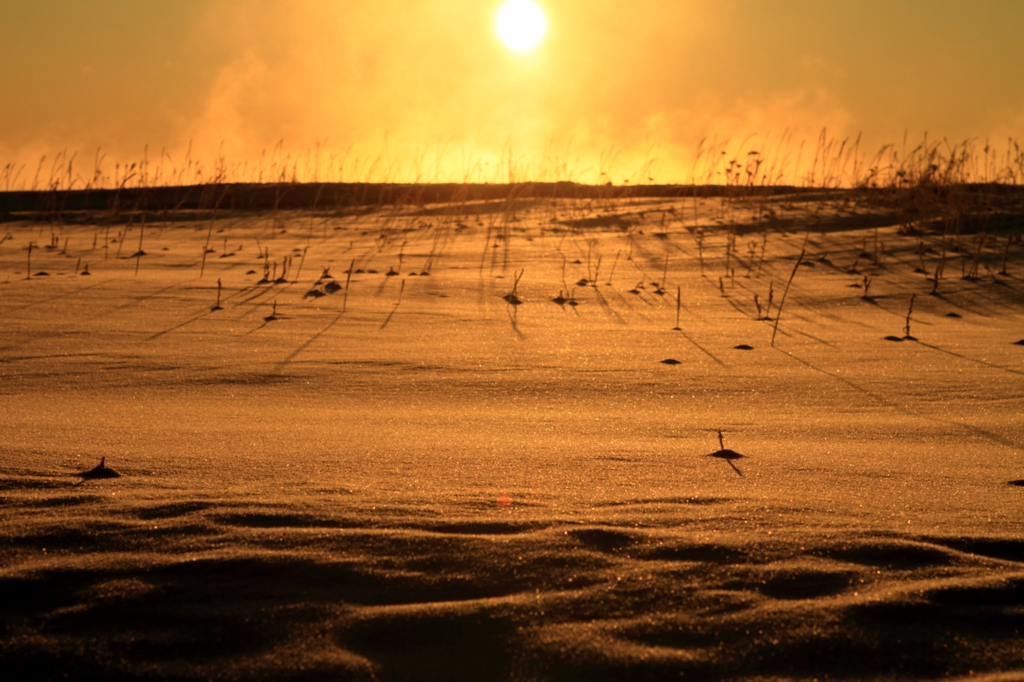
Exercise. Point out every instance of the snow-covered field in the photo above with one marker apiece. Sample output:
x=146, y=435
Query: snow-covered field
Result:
x=408, y=477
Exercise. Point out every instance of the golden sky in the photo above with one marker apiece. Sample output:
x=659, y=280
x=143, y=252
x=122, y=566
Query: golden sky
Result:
x=423, y=89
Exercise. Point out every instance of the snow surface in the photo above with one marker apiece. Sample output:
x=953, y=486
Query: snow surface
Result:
x=413, y=479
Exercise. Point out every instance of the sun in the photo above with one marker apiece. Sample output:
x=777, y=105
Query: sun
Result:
x=521, y=25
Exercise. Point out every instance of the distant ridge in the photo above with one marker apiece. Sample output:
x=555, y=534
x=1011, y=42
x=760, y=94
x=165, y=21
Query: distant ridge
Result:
x=261, y=197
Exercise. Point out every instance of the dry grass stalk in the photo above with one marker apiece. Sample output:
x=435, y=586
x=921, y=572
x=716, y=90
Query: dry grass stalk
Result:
x=301, y=262
x=512, y=298
x=348, y=278
x=140, y=253
x=679, y=305
x=778, y=315
x=906, y=327
x=217, y=305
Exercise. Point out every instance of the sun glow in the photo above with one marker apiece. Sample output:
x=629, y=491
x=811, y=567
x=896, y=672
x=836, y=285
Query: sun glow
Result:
x=521, y=25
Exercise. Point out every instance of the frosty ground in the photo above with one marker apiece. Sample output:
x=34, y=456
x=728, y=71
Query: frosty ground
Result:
x=400, y=458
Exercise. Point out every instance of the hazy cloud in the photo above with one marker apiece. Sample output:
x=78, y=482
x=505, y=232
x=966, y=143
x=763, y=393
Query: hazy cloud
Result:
x=407, y=89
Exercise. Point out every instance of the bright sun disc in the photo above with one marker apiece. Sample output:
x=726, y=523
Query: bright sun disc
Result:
x=521, y=25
